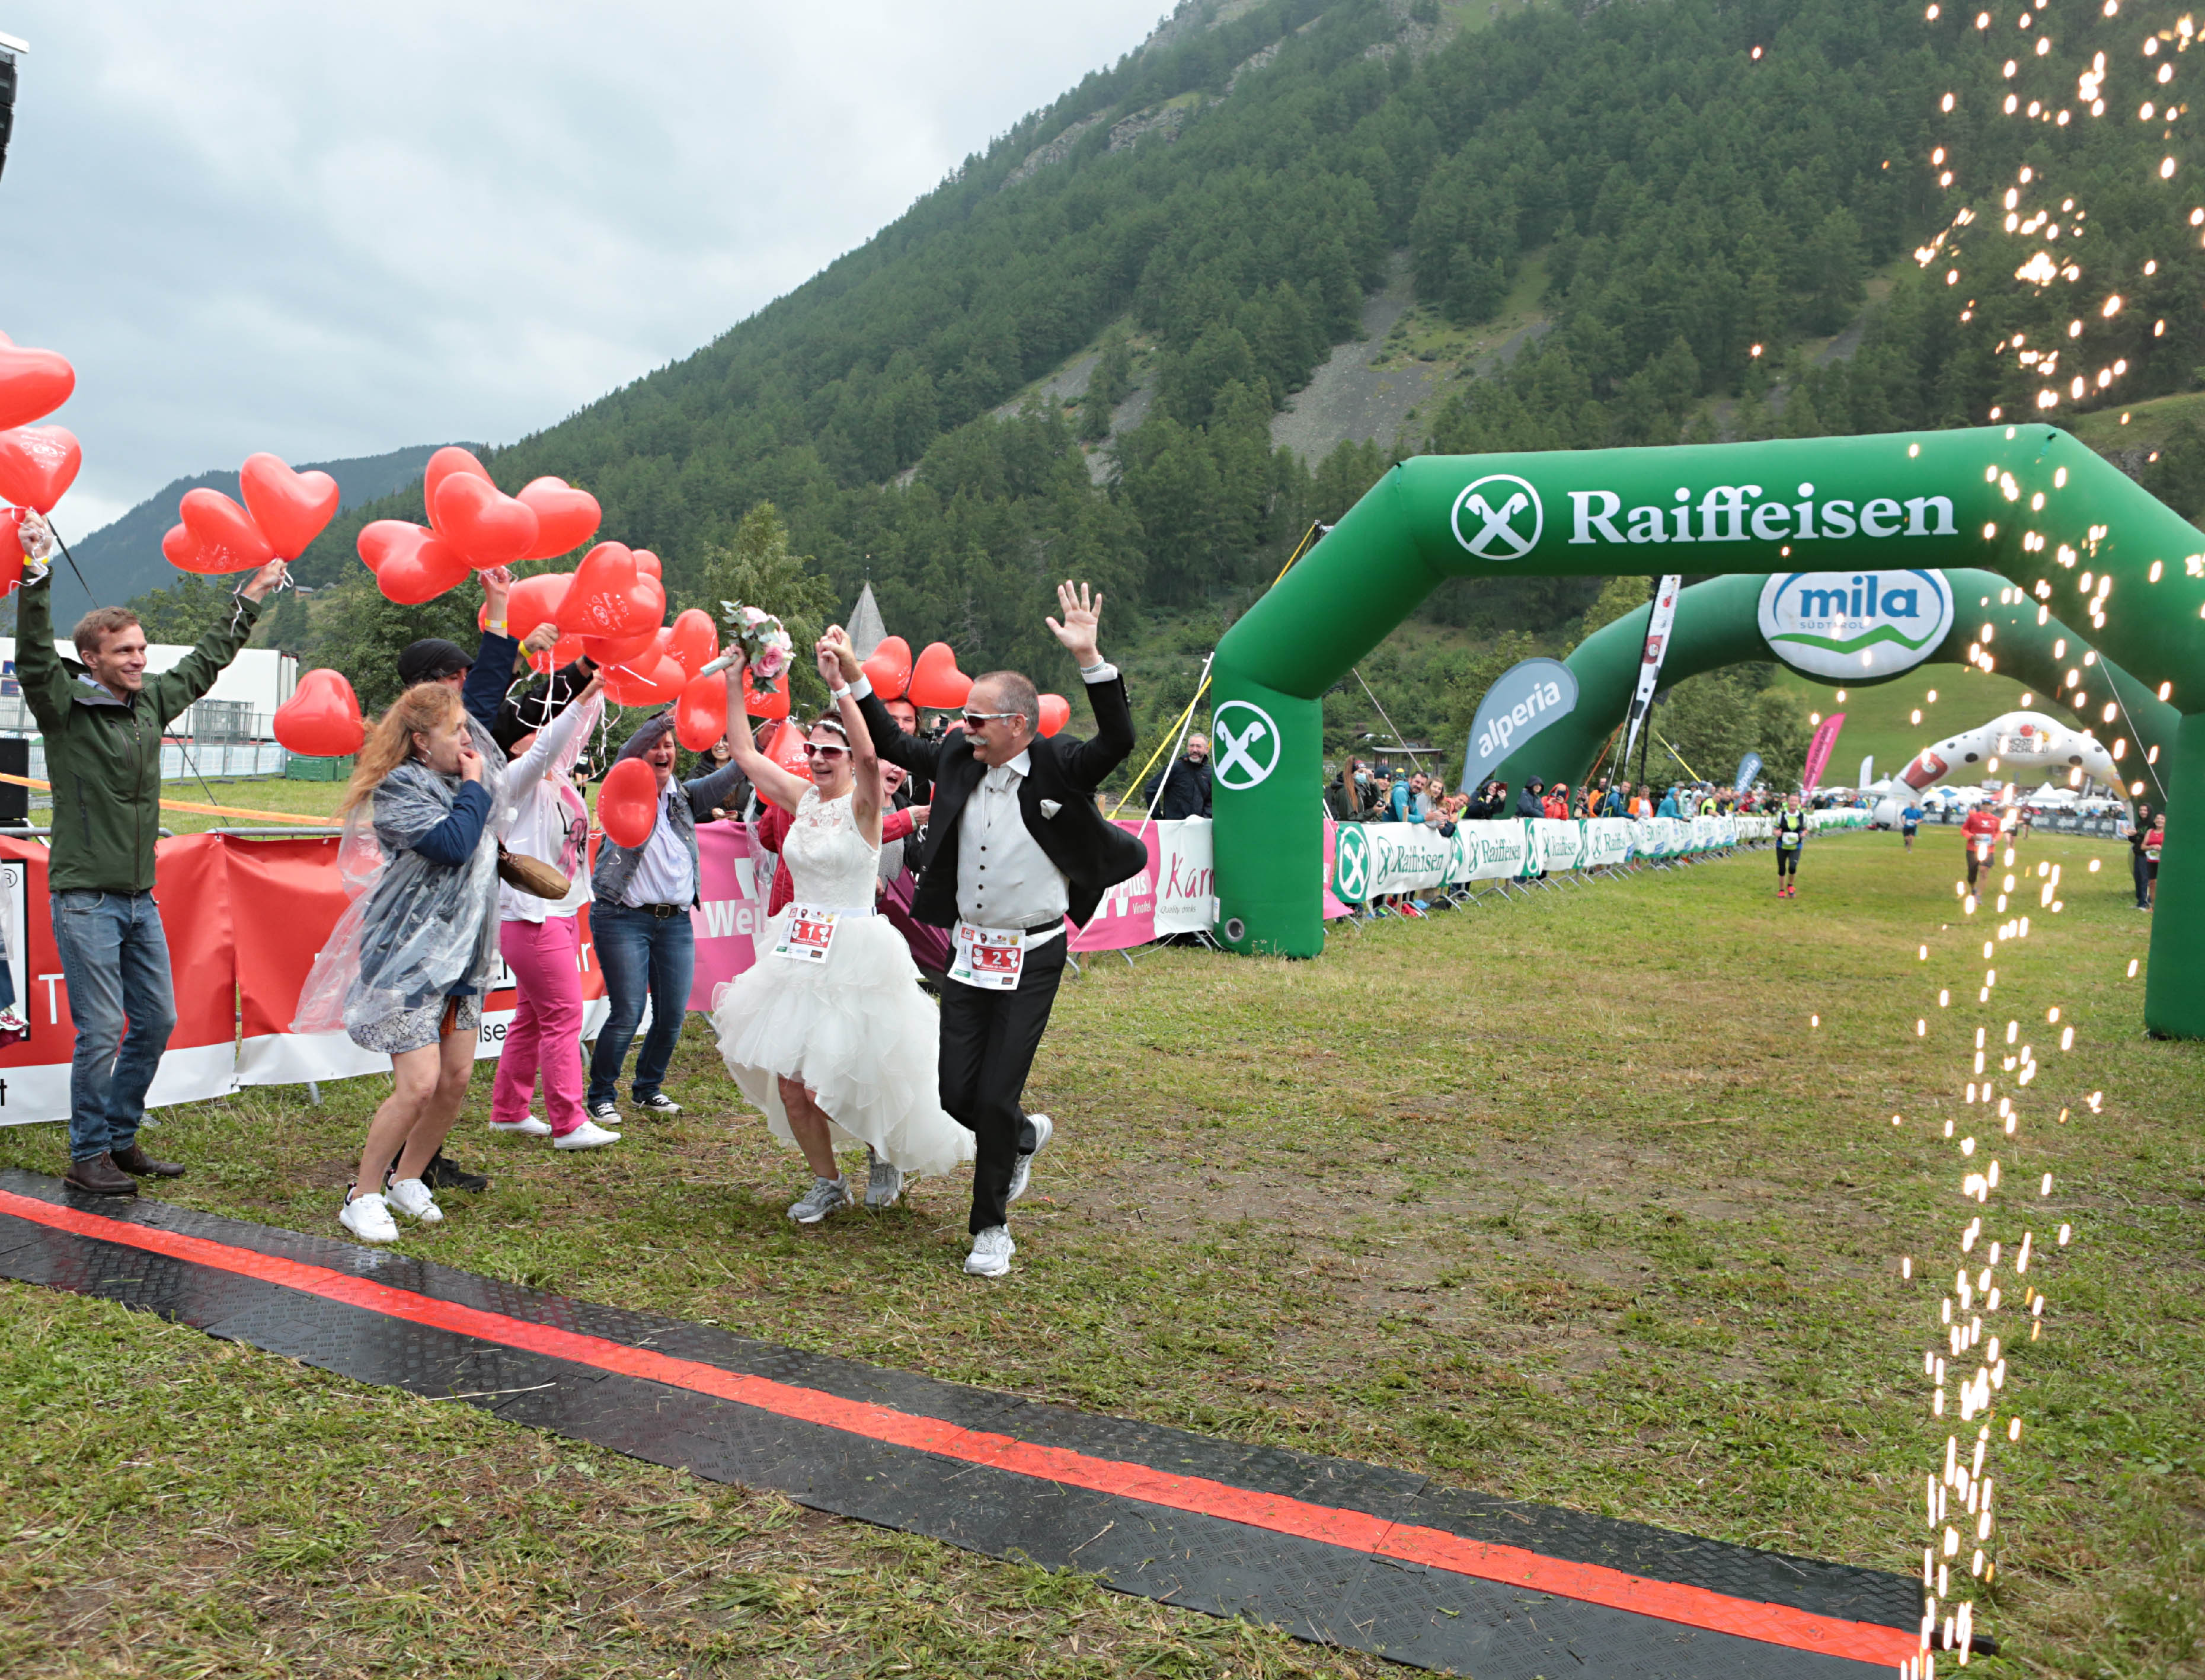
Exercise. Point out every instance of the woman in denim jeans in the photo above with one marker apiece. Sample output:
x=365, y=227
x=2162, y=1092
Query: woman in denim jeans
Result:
x=639, y=921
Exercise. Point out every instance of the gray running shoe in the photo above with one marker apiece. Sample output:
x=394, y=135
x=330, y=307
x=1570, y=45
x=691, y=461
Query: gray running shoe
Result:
x=991, y=1253
x=883, y=1182
x=825, y=1196
x=1022, y=1171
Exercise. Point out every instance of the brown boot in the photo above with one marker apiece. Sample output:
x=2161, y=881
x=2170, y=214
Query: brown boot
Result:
x=99, y=1176
x=136, y=1161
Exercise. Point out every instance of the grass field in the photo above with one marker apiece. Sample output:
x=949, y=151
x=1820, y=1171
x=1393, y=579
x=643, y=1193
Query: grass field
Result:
x=1567, y=1200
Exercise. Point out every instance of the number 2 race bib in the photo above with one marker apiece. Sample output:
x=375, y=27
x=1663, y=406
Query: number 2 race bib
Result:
x=990, y=958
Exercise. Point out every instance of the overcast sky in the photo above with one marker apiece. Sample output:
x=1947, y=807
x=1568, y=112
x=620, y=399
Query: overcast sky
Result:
x=333, y=230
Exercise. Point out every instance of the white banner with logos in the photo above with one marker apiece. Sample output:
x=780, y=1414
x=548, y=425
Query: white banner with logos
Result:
x=1376, y=860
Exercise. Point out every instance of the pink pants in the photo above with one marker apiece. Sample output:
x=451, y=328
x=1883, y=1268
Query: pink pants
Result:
x=546, y=1033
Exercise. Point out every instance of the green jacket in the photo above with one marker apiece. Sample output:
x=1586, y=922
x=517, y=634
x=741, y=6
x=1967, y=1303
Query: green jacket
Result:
x=104, y=754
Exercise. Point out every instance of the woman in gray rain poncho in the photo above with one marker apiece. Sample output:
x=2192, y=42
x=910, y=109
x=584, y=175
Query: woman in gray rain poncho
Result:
x=404, y=971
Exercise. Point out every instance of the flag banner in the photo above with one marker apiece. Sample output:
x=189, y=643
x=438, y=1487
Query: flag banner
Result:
x=1819, y=749
x=1748, y=768
x=1523, y=701
x=1658, y=624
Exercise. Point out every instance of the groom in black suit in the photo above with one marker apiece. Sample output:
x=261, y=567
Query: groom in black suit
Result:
x=1018, y=846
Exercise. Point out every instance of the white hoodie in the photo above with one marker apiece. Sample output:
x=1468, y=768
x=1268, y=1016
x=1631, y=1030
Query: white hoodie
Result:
x=547, y=818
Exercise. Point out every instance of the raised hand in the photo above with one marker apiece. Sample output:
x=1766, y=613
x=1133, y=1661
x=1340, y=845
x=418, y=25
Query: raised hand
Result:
x=829, y=663
x=543, y=638
x=1083, y=616
x=269, y=577
x=837, y=639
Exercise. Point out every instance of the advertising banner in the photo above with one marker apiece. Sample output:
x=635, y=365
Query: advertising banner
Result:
x=1606, y=843
x=201, y=1058
x=729, y=915
x=1819, y=749
x=1332, y=907
x=1187, y=878
x=1496, y=851
x=1561, y=842
x=1523, y=701
x=1659, y=623
x=1127, y=915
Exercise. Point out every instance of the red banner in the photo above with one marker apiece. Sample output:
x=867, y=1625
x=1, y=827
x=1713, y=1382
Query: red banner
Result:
x=189, y=886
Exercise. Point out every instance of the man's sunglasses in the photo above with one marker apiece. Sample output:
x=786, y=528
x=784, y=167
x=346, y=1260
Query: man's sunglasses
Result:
x=977, y=721
x=813, y=751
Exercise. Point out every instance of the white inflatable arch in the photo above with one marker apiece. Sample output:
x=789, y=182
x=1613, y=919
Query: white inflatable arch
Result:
x=2024, y=744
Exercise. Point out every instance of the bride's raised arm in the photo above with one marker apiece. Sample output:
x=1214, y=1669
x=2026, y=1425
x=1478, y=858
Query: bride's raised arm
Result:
x=783, y=786
x=865, y=762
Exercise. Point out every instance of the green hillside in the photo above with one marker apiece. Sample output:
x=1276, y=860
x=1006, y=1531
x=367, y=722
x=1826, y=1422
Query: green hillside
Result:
x=1081, y=353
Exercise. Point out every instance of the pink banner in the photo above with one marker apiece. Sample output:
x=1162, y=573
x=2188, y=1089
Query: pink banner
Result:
x=1818, y=750
x=1127, y=915
x=1332, y=907
x=730, y=913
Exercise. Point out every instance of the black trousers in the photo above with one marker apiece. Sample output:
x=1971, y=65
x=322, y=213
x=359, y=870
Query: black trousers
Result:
x=2141, y=872
x=987, y=1044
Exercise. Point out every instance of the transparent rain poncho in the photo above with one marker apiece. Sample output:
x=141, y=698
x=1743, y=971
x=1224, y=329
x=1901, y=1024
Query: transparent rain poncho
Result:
x=417, y=931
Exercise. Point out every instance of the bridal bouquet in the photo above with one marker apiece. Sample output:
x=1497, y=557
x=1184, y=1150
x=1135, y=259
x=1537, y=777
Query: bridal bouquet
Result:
x=764, y=643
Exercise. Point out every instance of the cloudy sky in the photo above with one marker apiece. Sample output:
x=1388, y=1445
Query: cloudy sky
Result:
x=332, y=231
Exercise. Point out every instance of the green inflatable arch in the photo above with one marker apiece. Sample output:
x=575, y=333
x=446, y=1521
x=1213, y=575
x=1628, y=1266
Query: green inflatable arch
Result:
x=1718, y=624
x=2027, y=503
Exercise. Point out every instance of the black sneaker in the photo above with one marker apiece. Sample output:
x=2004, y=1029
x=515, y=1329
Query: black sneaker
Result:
x=660, y=1103
x=443, y=1173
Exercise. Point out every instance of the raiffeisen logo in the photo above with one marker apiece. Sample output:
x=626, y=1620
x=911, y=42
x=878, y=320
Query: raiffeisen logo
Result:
x=1735, y=513
x=1854, y=624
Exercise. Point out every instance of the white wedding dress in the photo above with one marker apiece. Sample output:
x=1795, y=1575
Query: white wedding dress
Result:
x=855, y=1029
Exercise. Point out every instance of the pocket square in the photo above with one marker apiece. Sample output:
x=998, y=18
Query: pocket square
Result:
x=1049, y=807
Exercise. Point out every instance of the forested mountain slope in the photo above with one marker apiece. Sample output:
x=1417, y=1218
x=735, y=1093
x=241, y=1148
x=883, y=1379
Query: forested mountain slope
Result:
x=1663, y=186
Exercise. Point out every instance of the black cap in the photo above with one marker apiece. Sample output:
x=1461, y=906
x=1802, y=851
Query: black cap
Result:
x=430, y=660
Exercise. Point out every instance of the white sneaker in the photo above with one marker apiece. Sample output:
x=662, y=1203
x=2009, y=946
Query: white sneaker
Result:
x=991, y=1253
x=11, y=1018
x=528, y=1126
x=587, y=1135
x=1022, y=1170
x=884, y=1181
x=368, y=1218
x=825, y=1196
x=411, y=1197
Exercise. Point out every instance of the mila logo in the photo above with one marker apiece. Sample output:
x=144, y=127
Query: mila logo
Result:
x=1841, y=625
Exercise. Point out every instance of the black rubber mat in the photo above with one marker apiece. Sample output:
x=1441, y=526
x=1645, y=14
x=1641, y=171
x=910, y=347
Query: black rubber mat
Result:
x=1431, y=1616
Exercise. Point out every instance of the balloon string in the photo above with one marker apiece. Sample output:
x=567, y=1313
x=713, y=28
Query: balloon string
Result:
x=71, y=558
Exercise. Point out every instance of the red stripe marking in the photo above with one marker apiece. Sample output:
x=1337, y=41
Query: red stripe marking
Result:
x=1588, y=1583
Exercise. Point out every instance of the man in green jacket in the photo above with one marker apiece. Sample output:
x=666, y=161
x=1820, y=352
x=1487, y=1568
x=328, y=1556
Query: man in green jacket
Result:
x=102, y=722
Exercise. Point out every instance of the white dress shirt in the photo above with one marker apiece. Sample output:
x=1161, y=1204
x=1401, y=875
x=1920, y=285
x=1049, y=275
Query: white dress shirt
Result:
x=1004, y=879
x=662, y=874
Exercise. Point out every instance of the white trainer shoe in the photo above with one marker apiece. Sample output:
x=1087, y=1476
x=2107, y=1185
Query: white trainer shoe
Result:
x=587, y=1135
x=411, y=1197
x=825, y=1196
x=884, y=1181
x=1022, y=1170
x=367, y=1217
x=528, y=1126
x=991, y=1253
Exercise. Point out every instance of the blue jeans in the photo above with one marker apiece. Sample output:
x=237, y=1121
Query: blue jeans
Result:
x=640, y=953
x=115, y=961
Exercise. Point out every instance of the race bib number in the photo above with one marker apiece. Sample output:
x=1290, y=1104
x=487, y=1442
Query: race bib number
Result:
x=809, y=935
x=1788, y=840
x=988, y=957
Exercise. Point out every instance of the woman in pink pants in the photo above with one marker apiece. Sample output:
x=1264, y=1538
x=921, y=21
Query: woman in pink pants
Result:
x=541, y=939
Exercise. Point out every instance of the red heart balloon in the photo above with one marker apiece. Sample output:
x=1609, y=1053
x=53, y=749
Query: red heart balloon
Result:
x=627, y=802
x=563, y=652
x=647, y=564
x=661, y=681
x=447, y=461
x=37, y=464
x=229, y=540
x=701, y=716
x=1056, y=713
x=535, y=601
x=609, y=599
x=183, y=550
x=935, y=682
x=889, y=669
x=490, y=528
x=696, y=640
x=11, y=548
x=619, y=650
x=786, y=749
x=32, y=384
x=775, y=705
x=291, y=509
x=566, y=517
x=411, y=563
x=321, y=720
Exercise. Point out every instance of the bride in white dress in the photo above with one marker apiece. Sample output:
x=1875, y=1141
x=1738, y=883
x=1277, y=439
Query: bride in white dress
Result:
x=828, y=1032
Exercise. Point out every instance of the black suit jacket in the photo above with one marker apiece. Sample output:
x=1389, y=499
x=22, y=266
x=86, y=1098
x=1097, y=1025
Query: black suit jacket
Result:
x=1094, y=853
